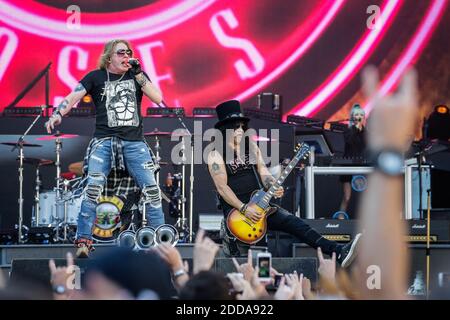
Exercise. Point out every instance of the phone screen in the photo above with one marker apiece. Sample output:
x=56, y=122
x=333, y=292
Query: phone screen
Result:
x=264, y=267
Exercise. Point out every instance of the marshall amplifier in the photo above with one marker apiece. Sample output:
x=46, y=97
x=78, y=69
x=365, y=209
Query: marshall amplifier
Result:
x=281, y=244
x=439, y=231
x=336, y=230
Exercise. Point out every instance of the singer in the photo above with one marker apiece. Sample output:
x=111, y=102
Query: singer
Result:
x=355, y=145
x=116, y=87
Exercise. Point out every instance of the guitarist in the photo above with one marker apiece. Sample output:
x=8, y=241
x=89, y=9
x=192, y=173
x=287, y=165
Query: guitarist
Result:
x=238, y=178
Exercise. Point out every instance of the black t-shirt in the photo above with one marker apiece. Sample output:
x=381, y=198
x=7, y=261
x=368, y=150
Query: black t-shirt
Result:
x=242, y=179
x=117, y=103
x=355, y=142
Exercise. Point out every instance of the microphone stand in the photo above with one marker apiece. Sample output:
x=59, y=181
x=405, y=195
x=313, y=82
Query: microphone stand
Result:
x=19, y=145
x=20, y=141
x=191, y=176
x=191, y=181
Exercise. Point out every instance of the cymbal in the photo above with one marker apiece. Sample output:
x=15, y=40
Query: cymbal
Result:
x=55, y=136
x=182, y=134
x=25, y=144
x=157, y=133
x=37, y=161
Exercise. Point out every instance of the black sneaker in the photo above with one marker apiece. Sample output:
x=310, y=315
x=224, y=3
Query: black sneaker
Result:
x=349, y=252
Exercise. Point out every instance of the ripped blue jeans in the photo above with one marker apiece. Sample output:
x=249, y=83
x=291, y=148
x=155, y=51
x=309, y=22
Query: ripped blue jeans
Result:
x=140, y=166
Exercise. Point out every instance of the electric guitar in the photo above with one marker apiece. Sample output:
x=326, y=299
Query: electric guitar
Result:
x=245, y=229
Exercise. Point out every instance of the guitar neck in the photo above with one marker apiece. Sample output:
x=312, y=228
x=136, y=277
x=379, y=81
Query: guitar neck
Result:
x=269, y=193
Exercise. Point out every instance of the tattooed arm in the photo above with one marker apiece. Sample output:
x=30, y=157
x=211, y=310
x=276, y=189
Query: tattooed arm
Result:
x=149, y=89
x=266, y=177
x=72, y=99
x=64, y=107
x=218, y=173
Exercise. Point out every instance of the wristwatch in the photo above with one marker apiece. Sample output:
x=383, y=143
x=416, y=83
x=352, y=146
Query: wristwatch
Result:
x=389, y=162
x=59, y=289
x=179, y=273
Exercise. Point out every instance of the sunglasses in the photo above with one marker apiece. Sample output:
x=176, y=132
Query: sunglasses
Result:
x=122, y=52
x=242, y=125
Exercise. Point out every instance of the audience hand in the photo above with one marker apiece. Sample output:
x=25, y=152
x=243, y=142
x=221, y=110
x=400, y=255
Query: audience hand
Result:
x=205, y=251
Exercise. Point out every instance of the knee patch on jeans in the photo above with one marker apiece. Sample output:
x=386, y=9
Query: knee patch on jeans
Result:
x=149, y=165
x=93, y=192
x=152, y=195
x=94, y=188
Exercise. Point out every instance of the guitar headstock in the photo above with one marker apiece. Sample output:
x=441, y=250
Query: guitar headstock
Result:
x=302, y=150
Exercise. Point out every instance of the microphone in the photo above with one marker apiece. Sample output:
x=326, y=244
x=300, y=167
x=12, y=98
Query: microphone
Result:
x=133, y=62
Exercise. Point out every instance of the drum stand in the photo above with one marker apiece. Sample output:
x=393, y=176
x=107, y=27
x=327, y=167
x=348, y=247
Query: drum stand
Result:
x=158, y=158
x=181, y=223
x=36, y=217
x=65, y=224
x=60, y=204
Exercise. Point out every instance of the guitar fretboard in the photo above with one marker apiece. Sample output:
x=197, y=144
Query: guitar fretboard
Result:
x=269, y=193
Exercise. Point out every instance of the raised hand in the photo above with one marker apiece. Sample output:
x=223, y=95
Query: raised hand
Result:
x=205, y=251
x=394, y=118
x=170, y=255
x=63, y=276
x=327, y=267
x=295, y=283
x=246, y=268
x=245, y=289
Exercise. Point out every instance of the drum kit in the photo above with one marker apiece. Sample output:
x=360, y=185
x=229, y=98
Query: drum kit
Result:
x=55, y=208
x=59, y=208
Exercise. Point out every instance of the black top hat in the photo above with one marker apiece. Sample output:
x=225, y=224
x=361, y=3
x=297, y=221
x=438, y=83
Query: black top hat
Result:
x=229, y=111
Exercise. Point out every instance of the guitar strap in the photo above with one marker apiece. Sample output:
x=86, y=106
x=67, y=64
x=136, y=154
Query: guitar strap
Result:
x=258, y=178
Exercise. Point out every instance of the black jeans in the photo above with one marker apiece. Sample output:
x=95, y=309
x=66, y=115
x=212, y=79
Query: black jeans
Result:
x=282, y=220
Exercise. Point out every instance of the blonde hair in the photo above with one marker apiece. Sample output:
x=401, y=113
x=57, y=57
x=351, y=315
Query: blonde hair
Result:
x=108, y=51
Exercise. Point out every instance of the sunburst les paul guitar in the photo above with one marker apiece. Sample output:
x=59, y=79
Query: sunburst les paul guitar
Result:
x=251, y=232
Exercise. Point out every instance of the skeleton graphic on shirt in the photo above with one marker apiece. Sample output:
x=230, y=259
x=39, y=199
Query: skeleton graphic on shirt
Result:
x=121, y=104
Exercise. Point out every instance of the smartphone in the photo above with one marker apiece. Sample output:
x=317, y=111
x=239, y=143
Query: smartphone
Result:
x=277, y=280
x=264, y=262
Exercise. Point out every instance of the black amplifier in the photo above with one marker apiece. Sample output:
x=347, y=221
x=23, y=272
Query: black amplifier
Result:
x=439, y=231
x=345, y=230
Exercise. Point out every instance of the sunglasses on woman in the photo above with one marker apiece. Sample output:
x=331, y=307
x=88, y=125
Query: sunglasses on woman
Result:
x=122, y=52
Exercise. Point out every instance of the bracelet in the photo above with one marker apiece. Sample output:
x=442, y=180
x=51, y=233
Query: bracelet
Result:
x=243, y=208
x=57, y=113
